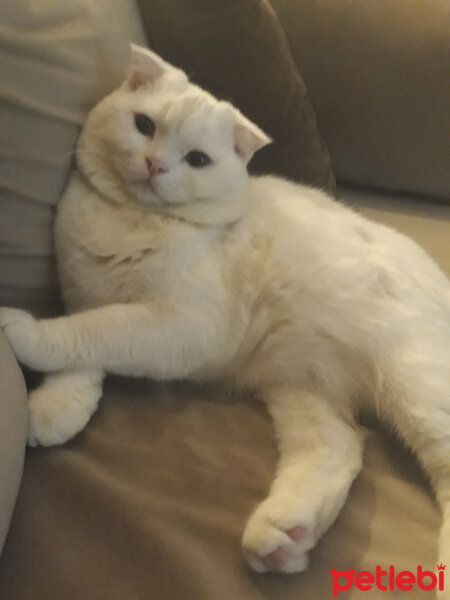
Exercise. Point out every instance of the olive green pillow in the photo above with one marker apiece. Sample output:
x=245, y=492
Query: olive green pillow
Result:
x=57, y=59
x=237, y=49
x=378, y=75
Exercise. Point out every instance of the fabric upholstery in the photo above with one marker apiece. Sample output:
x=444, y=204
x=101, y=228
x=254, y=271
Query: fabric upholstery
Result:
x=238, y=51
x=377, y=75
x=150, y=502
x=13, y=427
x=57, y=59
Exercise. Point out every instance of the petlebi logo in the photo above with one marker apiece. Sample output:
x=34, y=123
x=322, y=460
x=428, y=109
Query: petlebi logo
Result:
x=388, y=580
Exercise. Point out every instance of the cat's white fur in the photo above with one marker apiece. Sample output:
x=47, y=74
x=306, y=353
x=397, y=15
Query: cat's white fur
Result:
x=209, y=273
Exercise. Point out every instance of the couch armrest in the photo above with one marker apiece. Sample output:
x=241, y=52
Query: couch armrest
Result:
x=377, y=76
x=13, y=431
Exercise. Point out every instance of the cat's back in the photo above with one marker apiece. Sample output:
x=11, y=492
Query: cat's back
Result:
x=304, y=217
x=310, y=223
x=329, y=256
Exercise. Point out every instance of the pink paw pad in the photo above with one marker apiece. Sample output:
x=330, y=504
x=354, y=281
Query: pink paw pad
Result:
x=277, y=557
x=283, y=553
x=297, y=533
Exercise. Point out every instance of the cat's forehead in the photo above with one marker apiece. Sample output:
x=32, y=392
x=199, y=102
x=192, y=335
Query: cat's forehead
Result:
x=190, y=113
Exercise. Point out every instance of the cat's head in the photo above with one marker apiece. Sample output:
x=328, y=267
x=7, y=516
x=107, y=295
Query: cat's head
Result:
x=169, y=145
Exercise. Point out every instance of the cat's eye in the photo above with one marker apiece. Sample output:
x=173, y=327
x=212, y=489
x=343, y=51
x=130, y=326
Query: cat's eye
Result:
x=197, y=159
x=144, y=125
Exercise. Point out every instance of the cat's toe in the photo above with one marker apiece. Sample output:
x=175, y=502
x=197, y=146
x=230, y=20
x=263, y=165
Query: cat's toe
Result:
x=271, y=548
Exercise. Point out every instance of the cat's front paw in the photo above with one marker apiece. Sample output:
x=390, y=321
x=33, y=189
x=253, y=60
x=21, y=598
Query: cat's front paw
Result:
x=61, y=408
x=22, y=332
x=274, y=543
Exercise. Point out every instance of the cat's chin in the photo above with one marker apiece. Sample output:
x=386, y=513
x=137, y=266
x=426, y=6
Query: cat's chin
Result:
x=200, y=211
x=144, y=194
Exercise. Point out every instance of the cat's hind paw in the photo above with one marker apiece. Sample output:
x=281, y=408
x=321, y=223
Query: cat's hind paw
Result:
x=271, y=545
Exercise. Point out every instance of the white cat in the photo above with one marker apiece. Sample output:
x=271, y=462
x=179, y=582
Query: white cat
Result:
x=176, y=264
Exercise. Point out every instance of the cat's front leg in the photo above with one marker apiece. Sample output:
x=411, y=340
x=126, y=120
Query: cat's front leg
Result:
x=129, y=339
x=321, y=455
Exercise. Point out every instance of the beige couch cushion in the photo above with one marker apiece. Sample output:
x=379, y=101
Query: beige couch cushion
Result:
x=377, y=75
x=57, y=59
x=13, y=428
x=150, y=502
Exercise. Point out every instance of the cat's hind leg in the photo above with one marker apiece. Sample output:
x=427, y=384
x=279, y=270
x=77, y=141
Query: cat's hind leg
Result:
x=320, y=455
x=62, y=406
x=416, y=401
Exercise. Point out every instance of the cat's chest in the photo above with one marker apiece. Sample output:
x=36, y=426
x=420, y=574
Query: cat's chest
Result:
x=107, y=255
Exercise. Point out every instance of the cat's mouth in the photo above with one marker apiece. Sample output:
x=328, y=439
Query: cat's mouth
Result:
x=142, y=189
x=146, y=193
x=151, y=185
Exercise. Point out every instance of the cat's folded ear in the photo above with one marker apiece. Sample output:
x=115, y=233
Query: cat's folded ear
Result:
x=248, y=137
x=146, y=67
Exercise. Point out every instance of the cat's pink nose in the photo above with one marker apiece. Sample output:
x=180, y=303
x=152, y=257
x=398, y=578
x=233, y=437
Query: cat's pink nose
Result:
x=155, y=166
